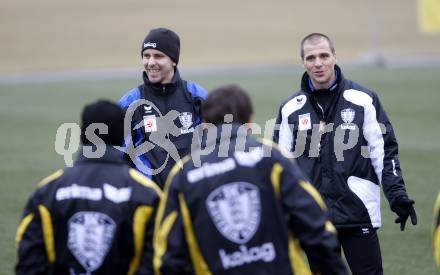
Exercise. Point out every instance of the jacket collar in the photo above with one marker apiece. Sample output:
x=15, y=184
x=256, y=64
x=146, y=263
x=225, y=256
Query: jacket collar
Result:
x=111, y=155
x=163, y=89
x=307, y=86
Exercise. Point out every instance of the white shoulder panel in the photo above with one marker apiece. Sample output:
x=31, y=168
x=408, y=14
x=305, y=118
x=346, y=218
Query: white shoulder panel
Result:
x=371, y=128
x=286, y=135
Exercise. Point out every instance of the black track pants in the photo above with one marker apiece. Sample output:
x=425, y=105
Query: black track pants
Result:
x=362, y=250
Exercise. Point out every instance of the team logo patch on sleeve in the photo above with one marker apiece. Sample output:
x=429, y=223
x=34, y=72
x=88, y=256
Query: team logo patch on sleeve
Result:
x=90, y=237
x=235, y=209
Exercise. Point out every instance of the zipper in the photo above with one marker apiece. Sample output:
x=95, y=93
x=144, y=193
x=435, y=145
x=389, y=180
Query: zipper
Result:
x=322, y=124
x=167, y=106
x=322, y=109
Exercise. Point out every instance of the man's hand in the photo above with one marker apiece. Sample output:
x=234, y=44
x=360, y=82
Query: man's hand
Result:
x=404, y=208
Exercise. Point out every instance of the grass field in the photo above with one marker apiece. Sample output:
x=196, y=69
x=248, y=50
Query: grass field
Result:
x=57, y=35
x=30, y=115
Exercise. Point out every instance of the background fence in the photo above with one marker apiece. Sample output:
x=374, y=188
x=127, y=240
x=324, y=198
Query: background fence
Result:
x=83, y=34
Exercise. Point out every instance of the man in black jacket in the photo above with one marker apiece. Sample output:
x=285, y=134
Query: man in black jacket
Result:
x=96, y=217
x=243, y=210
x=341, y=137
x=162, y=112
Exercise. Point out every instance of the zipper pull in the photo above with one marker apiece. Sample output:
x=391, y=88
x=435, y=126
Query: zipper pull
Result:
x=322, y=109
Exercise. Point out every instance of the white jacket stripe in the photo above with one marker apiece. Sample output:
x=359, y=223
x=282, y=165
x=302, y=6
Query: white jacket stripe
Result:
x=371, y=128
x=369, y=194
x=286, y=134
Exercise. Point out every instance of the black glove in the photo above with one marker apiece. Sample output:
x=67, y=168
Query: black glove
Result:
x=404, y=208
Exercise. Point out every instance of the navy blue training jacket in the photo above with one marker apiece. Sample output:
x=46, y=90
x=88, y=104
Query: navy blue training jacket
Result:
x=348, y=152
x=162, y=119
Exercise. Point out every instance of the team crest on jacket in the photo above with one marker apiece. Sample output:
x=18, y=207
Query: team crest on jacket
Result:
x=235, y=209
x=185, y=119
x=347, y=116
x=90, y=237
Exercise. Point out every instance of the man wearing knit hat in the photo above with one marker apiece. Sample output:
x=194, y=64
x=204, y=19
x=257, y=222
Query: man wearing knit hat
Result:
x=164, y=110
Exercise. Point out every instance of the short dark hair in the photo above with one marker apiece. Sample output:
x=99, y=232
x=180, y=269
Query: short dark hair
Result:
x=314, y=38
x=107, y=112
x=229, y=99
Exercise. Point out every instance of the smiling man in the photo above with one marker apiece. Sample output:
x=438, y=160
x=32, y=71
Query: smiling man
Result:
x=165, y=108
x=341, y=137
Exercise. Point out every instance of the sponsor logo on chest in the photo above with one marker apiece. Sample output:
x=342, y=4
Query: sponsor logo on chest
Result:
x=150, y=123
x=304, y=122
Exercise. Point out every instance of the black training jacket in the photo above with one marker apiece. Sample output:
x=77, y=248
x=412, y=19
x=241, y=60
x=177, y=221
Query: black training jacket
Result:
x=347, y=153
x=242, y=212
x=96, y=217
x=162, y=118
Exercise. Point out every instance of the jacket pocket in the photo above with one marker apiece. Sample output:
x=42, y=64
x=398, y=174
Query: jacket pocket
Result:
x=369, y=194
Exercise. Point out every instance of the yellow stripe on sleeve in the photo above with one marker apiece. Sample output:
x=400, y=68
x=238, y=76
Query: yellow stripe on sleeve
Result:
x=199, y=264
x=436, y=244
x=160, y=241
x=277, y=169
x=162, y=228
x=297, y=257
x=330, y=227
x=176, y=168
x=437, y=210
x=314, y=193
x=143, y=180
x=50, y=178
x=49, y=241
x=22, y=228
x=140, y=219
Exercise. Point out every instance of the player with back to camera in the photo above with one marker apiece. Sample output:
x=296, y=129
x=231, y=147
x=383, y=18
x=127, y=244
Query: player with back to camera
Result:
x=96, y=217
x=240, y=211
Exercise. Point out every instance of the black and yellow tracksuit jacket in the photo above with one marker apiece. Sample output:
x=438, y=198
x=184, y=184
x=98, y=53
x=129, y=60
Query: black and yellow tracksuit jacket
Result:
x=437, y=231
x=246, y=212
x=96, y=217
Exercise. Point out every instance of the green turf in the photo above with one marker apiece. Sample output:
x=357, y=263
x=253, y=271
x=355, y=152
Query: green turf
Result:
x=31, y=114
